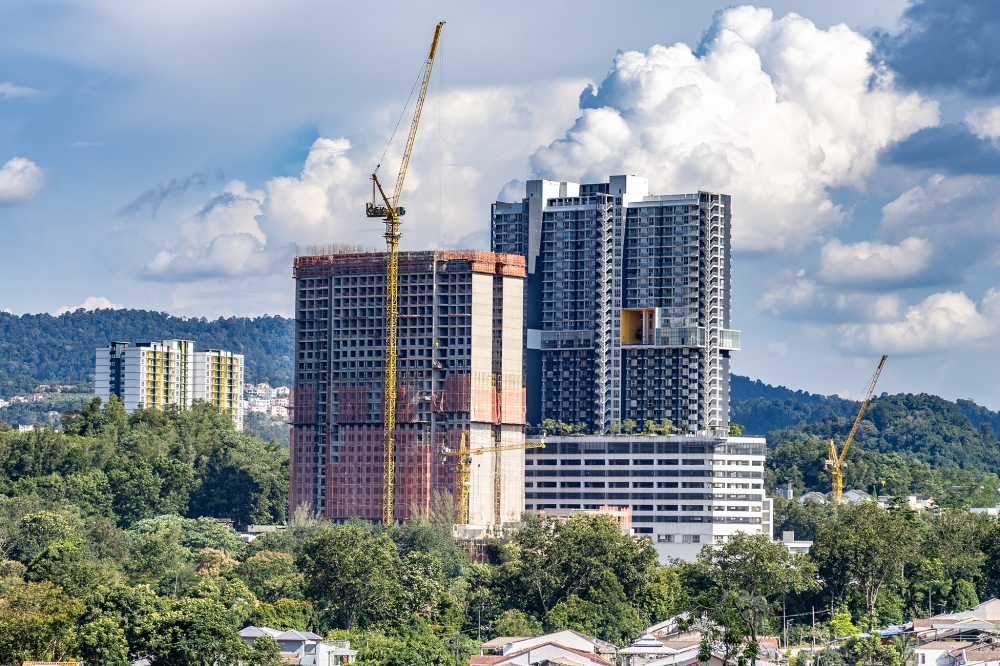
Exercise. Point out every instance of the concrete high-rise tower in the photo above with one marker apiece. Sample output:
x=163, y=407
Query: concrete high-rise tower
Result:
x=627, y=302
x=459, y=371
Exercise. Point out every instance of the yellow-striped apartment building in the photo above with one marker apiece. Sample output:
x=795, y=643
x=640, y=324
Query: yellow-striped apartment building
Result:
x=171, y=372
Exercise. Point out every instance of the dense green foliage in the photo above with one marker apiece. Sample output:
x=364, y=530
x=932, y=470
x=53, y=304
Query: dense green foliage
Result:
x=129, y=467
x=30, y=413
x=110, y=551
x=261, y=426
x=61, y=348
x=11, y=384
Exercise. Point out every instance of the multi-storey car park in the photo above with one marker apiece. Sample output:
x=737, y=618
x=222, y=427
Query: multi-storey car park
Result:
x=459, y=369
x=683, y=491
x=627, y=299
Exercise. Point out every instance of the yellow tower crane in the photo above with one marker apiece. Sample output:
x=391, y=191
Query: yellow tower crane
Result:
x=390, y=211
x=835, y=462
x=463, y=470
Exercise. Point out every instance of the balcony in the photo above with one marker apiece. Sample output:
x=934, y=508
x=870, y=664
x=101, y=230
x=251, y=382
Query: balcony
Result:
x=729, y=340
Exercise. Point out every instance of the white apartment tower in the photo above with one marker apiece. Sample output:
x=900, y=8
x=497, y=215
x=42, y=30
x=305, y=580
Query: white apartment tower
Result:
x=162, y=374
x=626, y=302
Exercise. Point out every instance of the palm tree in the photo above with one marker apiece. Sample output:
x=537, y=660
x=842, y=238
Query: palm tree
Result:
x=904, y=644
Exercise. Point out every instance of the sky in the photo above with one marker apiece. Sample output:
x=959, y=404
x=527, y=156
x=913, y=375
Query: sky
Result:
x=173, y=155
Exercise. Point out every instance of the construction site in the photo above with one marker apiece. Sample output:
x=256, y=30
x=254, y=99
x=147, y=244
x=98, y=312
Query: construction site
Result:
x=458, y=386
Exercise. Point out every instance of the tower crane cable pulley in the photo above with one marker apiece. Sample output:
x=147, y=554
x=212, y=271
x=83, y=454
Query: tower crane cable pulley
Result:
x=835, y=462
x=391, y=212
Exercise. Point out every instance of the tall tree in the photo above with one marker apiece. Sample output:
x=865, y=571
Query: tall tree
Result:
x=352, y=574
x=863, y=548
x=748, y=576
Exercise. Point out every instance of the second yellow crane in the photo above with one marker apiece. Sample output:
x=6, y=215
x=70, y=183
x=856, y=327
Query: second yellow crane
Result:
x=835, y=461
x=463, y=471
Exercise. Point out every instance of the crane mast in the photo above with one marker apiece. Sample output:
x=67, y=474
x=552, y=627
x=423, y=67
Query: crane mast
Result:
x=835, y=462
x=390, y=211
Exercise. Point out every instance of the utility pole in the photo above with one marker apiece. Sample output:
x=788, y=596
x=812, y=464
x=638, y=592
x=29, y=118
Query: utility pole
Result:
x=784, y=621
x=813, y=632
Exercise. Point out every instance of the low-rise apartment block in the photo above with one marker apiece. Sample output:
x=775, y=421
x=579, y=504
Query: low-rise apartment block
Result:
x=683, y=491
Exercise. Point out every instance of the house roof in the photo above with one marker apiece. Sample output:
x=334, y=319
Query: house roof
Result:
x=588, y=656
x=486, y=658
x=945, y=645
x=254, y=632
x=500, y=641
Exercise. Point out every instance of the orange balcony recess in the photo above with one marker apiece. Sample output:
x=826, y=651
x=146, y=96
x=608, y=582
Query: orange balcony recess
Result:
x=638, y=326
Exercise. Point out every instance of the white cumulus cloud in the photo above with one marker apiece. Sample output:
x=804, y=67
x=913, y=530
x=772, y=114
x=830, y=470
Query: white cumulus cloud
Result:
x=957, y=215
x=774, y=112
x=221, y=238
x=326, y=200
x=804, y=299
x=874, y=262
x=984, y=123
x=91, y=303
x=20, y=180
x=941, y=321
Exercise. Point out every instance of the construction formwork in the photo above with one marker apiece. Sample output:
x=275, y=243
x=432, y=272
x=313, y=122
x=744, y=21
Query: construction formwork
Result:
x=458, y=369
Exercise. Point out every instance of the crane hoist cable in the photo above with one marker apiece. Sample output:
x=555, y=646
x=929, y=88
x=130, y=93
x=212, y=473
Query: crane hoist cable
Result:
x=835, y=461
x=391, y=211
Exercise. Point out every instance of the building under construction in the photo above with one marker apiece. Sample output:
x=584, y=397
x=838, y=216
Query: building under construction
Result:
x=459, y=370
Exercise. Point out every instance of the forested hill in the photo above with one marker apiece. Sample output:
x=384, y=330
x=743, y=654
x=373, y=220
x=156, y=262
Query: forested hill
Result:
x=761, y=408
x=922, y=427
x=61, y=349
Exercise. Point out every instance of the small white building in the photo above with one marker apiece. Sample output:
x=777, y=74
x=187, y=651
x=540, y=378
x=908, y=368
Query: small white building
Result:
x=304, y=647
x=793, y=545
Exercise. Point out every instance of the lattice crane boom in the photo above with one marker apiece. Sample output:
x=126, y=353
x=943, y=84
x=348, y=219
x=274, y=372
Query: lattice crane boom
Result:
x=835, y=461
x=391, y=212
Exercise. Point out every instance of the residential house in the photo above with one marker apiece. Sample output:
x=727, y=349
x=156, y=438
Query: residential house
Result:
x=966, y=625
x=543, y=655
x=815, y=497
x=648, y=648
x=304, y=648
x=565, y=648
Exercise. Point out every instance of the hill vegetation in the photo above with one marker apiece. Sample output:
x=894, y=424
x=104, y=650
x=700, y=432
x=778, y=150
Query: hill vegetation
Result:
x=61, y=349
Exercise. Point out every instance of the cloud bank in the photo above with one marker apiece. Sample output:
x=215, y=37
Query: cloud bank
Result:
x=91, y=303
x=774, y=112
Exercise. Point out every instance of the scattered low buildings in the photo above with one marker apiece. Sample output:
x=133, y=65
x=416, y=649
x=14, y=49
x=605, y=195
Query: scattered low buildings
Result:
x=918, y=503
x=793, y=545
x=971, y=625
x=262, y=398
x=566, y=648
x=304, y=648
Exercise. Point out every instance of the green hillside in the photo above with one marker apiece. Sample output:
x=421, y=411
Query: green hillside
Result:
x=61, y=349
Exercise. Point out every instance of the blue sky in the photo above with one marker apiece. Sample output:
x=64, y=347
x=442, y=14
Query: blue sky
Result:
x=171, y=155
